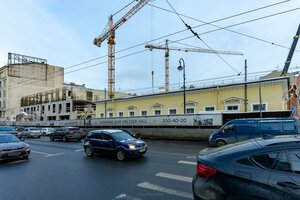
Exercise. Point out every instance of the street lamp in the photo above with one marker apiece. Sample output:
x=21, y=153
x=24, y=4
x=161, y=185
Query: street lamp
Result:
x=180, y=68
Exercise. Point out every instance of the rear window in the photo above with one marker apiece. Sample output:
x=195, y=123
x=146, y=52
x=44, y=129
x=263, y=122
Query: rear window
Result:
x=270, y=126
x=266, y=160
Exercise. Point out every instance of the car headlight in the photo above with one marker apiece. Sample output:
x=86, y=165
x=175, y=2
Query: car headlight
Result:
x=131, y=146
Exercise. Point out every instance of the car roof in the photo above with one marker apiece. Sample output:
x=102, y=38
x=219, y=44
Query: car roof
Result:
x=254, y=145
x=108, y=130
x=264, y=119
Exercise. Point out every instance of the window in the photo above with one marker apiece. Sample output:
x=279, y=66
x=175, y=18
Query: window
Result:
x=49, y=107
x=131, y=113
x=101, y=115
x=190, y=111
x=143, y=113
x=110, y=115
x=295, y=160
x=68, y=107
x=121, y=114
x=106, y=137
x=53, y=108
x=270, y=126
x=209, y=108
x=283, y=163
x=248, y=127
x=256, y=107
x=288, y=126
x=266, y=160
x=157, y=112
x=232, y=108
x=172, y=111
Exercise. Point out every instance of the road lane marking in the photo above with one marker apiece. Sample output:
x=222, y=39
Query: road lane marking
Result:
x=17, y=161
x=191, y=157
x=43, y=153
x=79, y=150
x=174, y=177
x=52, y=155
x=126, y=197
x=47, y=154
x=159, y=188
x=187, y=162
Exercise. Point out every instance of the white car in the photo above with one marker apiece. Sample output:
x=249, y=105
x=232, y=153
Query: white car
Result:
x=47, y=131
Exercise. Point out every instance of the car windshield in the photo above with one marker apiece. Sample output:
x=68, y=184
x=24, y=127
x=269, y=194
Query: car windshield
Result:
x=33, y=129
x=6, y=129
x=8, y=138
x=119, y=136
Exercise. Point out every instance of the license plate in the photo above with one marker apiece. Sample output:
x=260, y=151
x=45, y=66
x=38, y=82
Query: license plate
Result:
x=142, y=149
x=14, y=154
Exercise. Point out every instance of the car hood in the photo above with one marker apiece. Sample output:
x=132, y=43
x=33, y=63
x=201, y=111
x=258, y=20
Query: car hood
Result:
x=132, y=141
x=12, y=145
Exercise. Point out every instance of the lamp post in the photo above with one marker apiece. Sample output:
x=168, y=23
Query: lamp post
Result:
x=180, y=68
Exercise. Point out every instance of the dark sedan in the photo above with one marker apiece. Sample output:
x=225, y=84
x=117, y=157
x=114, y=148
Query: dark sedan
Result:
x=255, y=169
x=115, y=142
x=8, y=129
x=12, y=147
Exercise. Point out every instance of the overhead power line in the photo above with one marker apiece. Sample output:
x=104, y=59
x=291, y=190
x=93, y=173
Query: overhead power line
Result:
x=166, y=36
x=197, y=35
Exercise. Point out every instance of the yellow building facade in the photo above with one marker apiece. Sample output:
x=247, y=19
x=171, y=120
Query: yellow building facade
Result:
x=272, y=93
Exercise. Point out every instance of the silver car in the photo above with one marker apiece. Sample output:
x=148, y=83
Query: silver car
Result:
x=30, y=132
x=12, y=147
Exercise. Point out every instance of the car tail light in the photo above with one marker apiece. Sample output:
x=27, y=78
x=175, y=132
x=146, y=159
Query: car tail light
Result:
x=69, y=132
x=205, y=171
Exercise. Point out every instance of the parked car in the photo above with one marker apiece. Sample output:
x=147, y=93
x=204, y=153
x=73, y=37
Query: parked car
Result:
x=47, y=131
x=30, y=132
x=133, y=134
x=254, y=169
x=8, y=129
x=243, y=129
x=82, y=133
x=12, y=147
x=115, y=142
x=65, y=134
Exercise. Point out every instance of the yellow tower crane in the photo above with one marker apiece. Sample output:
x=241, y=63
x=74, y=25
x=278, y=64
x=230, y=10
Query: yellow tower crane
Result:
x=198, y=50
x=110, y=35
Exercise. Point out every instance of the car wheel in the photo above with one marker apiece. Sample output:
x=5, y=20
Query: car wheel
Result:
x=79, y=140
x=121, y=155
x=89, y=151
x=39, y=136
x=220, y=143
x=64, y=138
x=51, y=138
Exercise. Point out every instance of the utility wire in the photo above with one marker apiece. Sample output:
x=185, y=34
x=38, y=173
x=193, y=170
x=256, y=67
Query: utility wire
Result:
x=225, y=18
x=163, y=37
x=123, y=8
x=197, y=35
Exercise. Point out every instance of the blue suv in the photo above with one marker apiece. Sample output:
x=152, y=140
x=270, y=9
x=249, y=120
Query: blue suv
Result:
x=115, y=142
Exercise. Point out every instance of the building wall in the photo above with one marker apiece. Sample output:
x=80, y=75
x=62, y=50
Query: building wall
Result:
x=274, y=94
x=25, y=79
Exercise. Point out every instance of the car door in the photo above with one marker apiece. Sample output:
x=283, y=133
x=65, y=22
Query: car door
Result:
x=228, y=133
x=285, y=178
x=57, y=133
x=97, y=141
x=108, y=143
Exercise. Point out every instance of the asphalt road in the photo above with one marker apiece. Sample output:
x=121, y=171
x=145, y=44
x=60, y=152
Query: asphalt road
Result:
x=57, y=170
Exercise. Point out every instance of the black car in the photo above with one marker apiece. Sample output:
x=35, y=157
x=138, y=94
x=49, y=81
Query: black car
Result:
x=8, y=129
x=254, y=169
x=12, y=147
x=66, y=133
x=115, y=142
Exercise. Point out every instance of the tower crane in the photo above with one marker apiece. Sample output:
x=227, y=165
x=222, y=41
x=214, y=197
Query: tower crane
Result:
x=291, y=53
x=110, y=36
x=198, y=50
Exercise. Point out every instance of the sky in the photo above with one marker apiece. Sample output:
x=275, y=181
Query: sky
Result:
x=62, y=32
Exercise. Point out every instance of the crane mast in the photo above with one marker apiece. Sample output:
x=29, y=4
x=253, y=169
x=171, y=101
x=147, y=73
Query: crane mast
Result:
x=197, y=50
x=291, y=53
x=110, y=35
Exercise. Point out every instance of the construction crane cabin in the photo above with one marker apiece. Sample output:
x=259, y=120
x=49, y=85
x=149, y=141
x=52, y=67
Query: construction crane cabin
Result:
x=110, y=36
